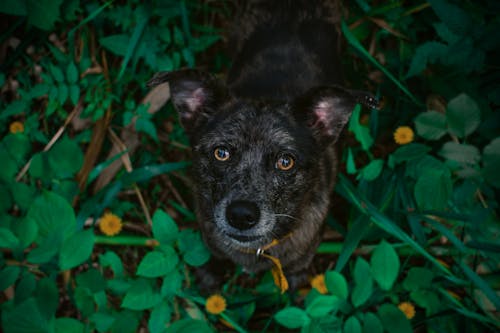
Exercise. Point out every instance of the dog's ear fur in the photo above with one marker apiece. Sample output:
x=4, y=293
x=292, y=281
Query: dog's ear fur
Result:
x=326, y=110
x=195, y=94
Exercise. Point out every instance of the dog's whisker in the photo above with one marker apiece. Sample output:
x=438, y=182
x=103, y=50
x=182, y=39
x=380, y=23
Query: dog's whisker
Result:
x=286, y=215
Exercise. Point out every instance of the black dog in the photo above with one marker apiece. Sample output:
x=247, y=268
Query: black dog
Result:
x=264, y=161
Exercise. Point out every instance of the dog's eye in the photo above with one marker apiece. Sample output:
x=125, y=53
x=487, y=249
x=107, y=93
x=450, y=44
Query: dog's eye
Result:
x=285, y=162
x=221, y=154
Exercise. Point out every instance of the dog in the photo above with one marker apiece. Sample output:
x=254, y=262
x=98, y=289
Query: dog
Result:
x=264, y=160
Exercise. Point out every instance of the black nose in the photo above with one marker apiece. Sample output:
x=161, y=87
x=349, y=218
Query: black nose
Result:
x=242, y=214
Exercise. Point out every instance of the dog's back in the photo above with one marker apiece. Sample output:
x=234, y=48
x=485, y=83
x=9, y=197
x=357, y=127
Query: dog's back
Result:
x=282, y=48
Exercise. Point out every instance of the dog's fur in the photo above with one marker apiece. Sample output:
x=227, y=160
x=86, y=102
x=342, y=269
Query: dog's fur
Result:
x=281, y=100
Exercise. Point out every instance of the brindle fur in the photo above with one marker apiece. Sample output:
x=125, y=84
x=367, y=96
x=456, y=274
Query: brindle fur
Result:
x=281, y=97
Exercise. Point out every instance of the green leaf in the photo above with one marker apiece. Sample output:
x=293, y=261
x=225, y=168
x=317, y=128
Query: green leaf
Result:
x=156, y=263
x=159, y=318
x=92, y=279
x=193, y=250
x=172, y=284
x=427, y=52
x=66, y=157
x=71, y=73
x=409, y=152
x=431, y=125
x=362, y=133
x=189, y=325
x=43, y=13
x=418, y=278
x=14, y=108
x=372, y=170
x=74, y=93
x=336, y=284
x=363, y=283
x=53, y=214
x=102, y=321
x=25, y=318
x=63, y=93
x=352, y=325
x=491, y=161
x=140, y=296
x=350, y=163
x=384, y=265
x=461, y=153
x=46, y=249
x=292, y=317
x=7, y=239
x=8, y=276
x=456, y=19
x=371, y=324
x=165, y=229
x=322, y=305
x=13, y=7
x=111, y=259
x=47, y=297
x=116, y=44
x=23, y=194
x=68, y=325
x=26, y=230
x=436, y=182
x=393, y=319
x=427, y=300
x=146, y=126
x=76, y=249
x=463, y=115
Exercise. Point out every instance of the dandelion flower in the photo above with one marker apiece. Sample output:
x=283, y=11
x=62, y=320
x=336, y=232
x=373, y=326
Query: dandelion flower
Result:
x=16, y=127
x=408, y=309
x=215, y=304
x=318, y=283
x=403, y=135
x=110, y=224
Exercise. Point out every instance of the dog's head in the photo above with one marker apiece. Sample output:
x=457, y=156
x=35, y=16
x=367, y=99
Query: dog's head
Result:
x=257, y=164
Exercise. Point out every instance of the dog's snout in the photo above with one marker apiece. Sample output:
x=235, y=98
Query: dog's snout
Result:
x=242, y=214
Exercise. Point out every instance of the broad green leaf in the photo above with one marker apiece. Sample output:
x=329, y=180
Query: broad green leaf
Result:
x=456, y=19
x=462, y=115
x=63, y=93
x=14, y=108
x=53, y=214
x=66, y=325
x=66, y=157
x=427, y=52
x=372, y=170
x=102, y=321
x=491, y=160
x=418, y=278
x=74, y=93
x=13, y=7
x=384, y=265
x=461, y=153
x=352, y=325
x=146, y=126
x=111, y=259
x=56, y=73
x=371, y=324
x=84, y=301
x=165, y=229
x=159, y=318
x=363, y=287
x=43, y=13
x=292, y=317
x=156, y=263
x=436, y=182
x=7, y=239
x=193, y=250
x=172, y=284
x=47, y=248
x=350, y=163
x=409, y=152
x=117, y=44
x=25, y=318
x=189, y=325
x=92, y=279
x=76, y=249
x=393, y=319
x=23, y=194
x=140, y=296
x=47, y=297
x=362, y=133
x=126, y=321
x=431, y=125
x=428, y=300
x=322, y=305
x=71, y=73
x=336, y=284
x=8, y=276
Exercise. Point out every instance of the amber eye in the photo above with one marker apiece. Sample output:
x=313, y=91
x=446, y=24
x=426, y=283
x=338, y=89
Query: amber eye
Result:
x=285, y=162
x=221, y=154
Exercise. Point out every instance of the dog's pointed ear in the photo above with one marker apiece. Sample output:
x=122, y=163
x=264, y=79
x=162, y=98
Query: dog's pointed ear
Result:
x=194, y=93
x=326, y=110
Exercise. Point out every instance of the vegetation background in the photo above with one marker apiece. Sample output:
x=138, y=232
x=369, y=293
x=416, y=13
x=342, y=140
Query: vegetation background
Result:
x=97, y=232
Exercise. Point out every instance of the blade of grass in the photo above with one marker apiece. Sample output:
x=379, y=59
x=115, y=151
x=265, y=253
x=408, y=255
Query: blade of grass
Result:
x=90, y=17
x=354, y=236
x=351, y=39
x=481, y=284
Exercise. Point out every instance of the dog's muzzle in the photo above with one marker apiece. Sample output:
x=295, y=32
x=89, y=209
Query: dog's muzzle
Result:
x=242, y=214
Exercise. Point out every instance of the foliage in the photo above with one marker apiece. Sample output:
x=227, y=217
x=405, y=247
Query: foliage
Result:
x=423, y=220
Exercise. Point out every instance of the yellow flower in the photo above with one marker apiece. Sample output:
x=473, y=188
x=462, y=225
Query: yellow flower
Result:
x=318, y=283
x=215, y=304
x=403, y=135
x=16, y=127
x=110, y=224
x=408, y=309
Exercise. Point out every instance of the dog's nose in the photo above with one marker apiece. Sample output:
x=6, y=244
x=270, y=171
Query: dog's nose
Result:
x=242, y=214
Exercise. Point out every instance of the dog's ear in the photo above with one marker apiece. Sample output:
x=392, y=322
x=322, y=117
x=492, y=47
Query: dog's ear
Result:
x=326, y=110
x=195, y=94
